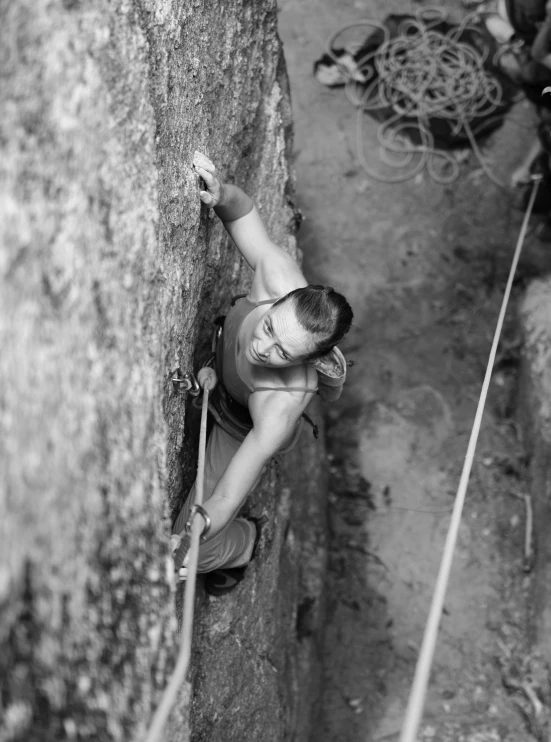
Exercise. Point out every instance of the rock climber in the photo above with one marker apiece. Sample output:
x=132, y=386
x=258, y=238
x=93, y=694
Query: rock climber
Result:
x=276, y=350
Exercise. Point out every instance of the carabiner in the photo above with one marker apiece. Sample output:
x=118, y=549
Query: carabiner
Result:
x=185, y=383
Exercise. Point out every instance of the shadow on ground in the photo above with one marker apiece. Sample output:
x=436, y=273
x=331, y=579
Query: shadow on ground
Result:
x=425, y=267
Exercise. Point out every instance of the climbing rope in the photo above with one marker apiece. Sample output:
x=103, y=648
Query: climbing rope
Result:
x=180, y=671
x=422, y=74
x=416, y=701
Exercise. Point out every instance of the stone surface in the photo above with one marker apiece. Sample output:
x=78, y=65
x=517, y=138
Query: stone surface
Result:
x=111, y=273
x=535, y=412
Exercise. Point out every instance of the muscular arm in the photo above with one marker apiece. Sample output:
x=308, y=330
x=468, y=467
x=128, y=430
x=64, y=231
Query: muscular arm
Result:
x=275, y=415
x=253, y=241
x=276, y=272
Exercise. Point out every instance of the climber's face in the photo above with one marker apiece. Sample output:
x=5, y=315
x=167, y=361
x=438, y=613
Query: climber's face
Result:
x=278, y=340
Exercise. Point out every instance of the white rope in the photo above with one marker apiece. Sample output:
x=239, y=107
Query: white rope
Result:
x=180, y=671
x=416, y=701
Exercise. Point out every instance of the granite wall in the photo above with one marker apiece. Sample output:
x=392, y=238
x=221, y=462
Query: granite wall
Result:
x=111, y=273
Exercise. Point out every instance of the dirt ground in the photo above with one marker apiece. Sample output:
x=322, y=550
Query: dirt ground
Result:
x=424, y=267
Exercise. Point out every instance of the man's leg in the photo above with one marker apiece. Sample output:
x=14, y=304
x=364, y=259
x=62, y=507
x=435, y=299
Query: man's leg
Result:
x=233, y=546
x=230, y=548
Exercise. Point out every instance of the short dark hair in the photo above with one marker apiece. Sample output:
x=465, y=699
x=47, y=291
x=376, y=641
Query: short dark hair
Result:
x=324, y=313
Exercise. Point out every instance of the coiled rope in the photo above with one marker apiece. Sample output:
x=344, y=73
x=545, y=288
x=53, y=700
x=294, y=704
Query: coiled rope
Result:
x=418, y=692
x=422, y=74
x=182, y=664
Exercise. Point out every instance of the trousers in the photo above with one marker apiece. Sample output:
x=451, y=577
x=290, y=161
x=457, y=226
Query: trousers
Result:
x=233, y=545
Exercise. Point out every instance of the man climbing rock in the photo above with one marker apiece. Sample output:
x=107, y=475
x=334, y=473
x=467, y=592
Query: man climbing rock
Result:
x=276, y=350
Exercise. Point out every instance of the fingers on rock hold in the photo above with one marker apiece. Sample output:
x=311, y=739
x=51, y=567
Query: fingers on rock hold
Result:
x=207, y=177
x=199, y=158
x=202, y=161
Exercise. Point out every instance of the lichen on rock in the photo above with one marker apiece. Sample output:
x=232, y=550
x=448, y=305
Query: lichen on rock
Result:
x=111, y=273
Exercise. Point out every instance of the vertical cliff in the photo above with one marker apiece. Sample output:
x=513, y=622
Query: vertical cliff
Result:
x=110, y=275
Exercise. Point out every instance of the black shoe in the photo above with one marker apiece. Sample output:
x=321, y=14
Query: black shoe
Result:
x=223, y=581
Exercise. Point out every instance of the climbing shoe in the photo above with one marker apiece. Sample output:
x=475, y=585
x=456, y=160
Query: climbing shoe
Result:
x=223, y=581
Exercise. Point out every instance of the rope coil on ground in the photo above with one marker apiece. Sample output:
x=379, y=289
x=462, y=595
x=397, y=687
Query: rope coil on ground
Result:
x=182, y=664
x=419, y=74
x=416, y=701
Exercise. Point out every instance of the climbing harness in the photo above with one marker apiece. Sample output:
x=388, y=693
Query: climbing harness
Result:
x=180, y=671
x=421, y=75
x=416, y=701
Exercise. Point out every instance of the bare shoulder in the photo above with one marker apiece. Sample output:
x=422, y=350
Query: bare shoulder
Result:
x=276, y=276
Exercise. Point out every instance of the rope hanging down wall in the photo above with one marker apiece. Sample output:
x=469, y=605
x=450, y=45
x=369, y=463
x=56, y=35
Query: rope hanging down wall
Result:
x=433, y=85
x=156, y=729
x=414, y=711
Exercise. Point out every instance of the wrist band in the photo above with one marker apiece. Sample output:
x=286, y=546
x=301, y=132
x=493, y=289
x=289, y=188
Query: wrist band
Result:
x=239, y=204
x=201, y=510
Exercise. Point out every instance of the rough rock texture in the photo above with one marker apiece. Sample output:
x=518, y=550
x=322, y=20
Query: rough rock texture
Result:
x=111, y=274
x=536, y=418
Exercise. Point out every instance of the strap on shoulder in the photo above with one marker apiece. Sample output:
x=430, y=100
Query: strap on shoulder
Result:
x=266, y=301
x=284, y=389
x=255, y=303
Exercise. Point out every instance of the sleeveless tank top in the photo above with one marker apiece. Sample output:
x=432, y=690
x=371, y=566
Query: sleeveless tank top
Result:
x=239, y=377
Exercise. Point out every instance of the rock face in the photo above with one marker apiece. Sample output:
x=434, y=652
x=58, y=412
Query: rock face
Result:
x=111, y=274
x=536, y=417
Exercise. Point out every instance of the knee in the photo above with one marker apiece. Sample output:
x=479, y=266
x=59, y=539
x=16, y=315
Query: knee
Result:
x=209, y=560
x=232, y=547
